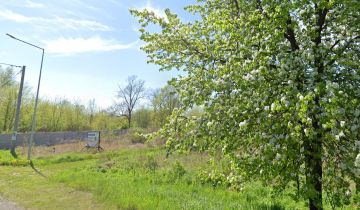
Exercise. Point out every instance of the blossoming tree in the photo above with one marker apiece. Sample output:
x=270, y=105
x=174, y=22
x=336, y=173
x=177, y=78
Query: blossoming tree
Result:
x=279, y=85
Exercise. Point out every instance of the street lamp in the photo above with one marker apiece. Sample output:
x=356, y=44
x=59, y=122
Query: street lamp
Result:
x=37, y=94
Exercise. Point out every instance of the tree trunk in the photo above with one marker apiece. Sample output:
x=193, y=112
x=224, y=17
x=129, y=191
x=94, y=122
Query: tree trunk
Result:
x=129, y=119
x=313, y=145
x=314, y=181
x=313, y=168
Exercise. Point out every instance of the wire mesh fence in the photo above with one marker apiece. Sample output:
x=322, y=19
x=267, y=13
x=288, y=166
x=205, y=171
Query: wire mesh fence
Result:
x=55, y=138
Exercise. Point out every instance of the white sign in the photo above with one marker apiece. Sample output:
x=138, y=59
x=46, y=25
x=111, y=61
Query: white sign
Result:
x=13, y=137
x=93, y=139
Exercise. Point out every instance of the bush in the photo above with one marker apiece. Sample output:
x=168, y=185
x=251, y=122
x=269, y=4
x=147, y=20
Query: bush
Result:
x=136, y=135
x=176, y=172
x=150, y=164
x=216, y=178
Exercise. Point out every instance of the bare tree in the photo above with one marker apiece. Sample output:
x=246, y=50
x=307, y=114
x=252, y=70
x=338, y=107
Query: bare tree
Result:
x=129, y=96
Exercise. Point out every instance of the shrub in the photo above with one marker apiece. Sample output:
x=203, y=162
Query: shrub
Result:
x=216, y=178
x=176, y=172
x=136, y=136
x=150, y=163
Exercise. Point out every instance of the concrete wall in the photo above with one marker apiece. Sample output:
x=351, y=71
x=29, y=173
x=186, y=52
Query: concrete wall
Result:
x=51, y=138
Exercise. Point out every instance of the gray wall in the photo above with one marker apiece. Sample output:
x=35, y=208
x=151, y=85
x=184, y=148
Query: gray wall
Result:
x=52, y=138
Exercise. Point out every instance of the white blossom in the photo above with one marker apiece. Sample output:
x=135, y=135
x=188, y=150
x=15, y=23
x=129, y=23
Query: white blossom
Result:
x=306, y=131
x=341, y=134
x=348, y=193
x=357, y=160
x=273, y=107
x=243, y=123
x=342, y=123
x=309, y=120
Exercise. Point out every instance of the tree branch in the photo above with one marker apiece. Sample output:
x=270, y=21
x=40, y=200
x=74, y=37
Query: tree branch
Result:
x=290, y=35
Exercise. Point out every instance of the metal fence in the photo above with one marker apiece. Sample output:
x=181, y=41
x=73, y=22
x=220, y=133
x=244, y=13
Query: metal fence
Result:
x=52, y=138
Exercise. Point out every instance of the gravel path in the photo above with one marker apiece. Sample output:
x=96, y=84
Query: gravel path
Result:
x=7, y=205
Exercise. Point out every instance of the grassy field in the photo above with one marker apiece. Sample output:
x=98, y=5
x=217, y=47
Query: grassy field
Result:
x=133, y=177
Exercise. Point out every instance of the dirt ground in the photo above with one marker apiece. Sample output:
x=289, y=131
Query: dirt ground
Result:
x=107, y=144
x=7, y=205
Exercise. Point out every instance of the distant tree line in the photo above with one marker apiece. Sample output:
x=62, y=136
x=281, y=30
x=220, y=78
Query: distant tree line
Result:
x=135, y=107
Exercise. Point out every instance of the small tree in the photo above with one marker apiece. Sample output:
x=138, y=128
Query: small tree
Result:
x=8, y=95
x=280, y=85
x=129, y=96
x=163, y=101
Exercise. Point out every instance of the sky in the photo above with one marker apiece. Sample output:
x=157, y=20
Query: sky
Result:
x=91, y=46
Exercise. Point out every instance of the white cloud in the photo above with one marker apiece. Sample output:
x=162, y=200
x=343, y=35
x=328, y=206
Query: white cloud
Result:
x=75, y=24
x=70, y=46
x=58, y=22
x=32, y=4
x=16, y=17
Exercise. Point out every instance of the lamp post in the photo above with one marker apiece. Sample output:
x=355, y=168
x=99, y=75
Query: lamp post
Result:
x=37, y=93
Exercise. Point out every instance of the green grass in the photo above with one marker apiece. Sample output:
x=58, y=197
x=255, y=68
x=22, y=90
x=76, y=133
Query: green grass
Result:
x=144, y=179
x=30, y=190
x=6, y=159
x=131, y=178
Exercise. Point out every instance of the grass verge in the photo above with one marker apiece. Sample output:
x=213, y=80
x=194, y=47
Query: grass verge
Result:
x=130, y=178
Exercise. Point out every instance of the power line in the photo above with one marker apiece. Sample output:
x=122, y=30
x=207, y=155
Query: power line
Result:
x=10, y=65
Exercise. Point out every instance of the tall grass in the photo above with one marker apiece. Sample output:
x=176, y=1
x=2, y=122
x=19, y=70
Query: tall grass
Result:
x=6, y=159
x=144, y=179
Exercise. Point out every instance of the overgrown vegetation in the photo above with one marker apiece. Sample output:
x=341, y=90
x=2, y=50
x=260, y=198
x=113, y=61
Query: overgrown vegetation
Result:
x=53, y=115
x=139, y=178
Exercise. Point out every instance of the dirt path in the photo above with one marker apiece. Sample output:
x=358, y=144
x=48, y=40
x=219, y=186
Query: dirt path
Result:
x=7, y=205
x=33, y=189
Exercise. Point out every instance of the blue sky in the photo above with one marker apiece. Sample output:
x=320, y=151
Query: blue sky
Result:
x=91, y=46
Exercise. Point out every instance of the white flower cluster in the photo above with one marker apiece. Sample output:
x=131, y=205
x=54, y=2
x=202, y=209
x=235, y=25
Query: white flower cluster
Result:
x=357, y=161
x=331, y=85
x=248, y=77
x=342, y=123
x=338, y=136
x=243, y=123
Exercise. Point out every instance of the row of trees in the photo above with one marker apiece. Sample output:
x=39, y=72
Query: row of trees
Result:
x=154, y=106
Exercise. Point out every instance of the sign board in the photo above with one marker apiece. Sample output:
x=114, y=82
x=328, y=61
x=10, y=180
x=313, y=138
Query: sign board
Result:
x=93, y=139
x=13, y=137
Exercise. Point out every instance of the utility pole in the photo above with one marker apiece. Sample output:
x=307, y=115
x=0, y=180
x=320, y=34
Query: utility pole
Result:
x=17, y=117
x=37, y=93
